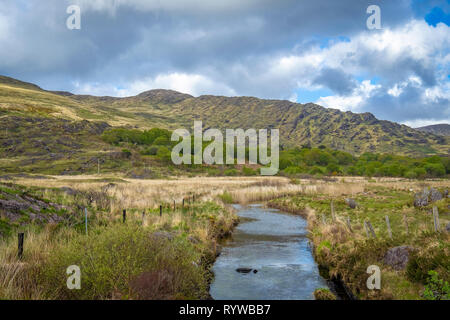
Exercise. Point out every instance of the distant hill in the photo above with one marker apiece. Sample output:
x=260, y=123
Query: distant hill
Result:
x=299, y=124
x=442, y=129
x=17, y=83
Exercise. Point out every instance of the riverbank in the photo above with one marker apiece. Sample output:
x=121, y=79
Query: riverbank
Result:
x=344, y=250
x=143, y=254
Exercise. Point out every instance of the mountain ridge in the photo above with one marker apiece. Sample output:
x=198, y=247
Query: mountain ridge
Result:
x=299, y=124
x=438, y=129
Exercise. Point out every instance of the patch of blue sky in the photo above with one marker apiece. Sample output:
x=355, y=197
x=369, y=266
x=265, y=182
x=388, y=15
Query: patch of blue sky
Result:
x=305, y=96
x=436, y=16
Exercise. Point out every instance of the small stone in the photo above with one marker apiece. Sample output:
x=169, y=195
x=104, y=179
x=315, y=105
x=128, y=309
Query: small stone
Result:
x=244, y=270
x=435, y=195
x=421, y=198
x=398, y=257
x=351, y=203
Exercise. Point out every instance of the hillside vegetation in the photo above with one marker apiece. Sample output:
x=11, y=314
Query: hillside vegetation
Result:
x=299, y=124
x=438, y=129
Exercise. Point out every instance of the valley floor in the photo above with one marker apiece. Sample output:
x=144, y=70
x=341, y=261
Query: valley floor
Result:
x=168, y=241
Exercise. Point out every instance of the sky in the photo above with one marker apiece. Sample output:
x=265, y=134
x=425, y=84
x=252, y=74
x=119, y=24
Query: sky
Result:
x=317, y=51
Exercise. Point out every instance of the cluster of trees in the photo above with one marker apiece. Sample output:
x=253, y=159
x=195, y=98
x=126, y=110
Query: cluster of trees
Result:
x=334, y=162
x=154, y=142
x=306, y=160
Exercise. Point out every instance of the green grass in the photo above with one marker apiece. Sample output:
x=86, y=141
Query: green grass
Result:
x=166, y=257
x=346, y=254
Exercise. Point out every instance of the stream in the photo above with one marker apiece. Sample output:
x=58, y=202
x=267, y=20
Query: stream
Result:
x=276, y=245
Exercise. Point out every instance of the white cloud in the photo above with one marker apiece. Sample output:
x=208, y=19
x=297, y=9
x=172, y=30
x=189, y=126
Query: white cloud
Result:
x=354, y=101
x=193, y=84
x=425, y=122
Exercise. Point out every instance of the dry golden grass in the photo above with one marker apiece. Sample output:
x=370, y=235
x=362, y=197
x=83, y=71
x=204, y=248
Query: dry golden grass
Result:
x=142, y=194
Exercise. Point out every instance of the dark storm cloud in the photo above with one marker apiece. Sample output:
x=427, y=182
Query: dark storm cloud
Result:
x=408, y=106
x=231, y=43
x=167, y=38
x=336, y=80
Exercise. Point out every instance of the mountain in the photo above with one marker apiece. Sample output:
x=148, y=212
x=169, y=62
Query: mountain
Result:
x=442, y=129
x=299, y=124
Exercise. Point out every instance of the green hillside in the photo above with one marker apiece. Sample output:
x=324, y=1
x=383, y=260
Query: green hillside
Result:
x=442, y=129
x=299, y=124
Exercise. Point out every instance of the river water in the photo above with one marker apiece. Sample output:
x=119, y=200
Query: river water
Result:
x=276, y=245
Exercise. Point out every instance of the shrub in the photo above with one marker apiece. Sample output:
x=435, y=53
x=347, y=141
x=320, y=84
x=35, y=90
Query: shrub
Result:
x=435, y=169
x=292, y=170
x=151, y=151
x=436, y=288
x=324, y=294
x=231, y=172
x=248, y=171
x=113, y=259
x=315, y=170
x=226, y=197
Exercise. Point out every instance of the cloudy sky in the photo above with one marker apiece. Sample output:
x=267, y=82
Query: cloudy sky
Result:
x=306, y=51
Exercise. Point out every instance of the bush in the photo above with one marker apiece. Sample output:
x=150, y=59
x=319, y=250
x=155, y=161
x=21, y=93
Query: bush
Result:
x=435, y=169
x=112, y=259
x=292, y=170
x=324, y=294
x=151, y=151
x=316, y=170
x=246, y=171
x=226, y=197
x=420, y=263
x=231, y=172
x=164, y=154
x=436, y=288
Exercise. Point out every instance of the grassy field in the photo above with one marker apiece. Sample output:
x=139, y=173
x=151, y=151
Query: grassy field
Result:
x=169, y=256
x=344, y=249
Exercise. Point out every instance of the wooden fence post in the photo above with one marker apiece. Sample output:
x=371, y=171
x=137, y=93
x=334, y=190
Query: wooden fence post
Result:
x=349, y=224
x=20, y=245
x=160, y=210
x=173, y=205
x=86, y=220
x=405, y=220
x=333, y=218
x=437, y=227
x=124, y=215
x=388, y=227
x=371, y=229
x=367, y=229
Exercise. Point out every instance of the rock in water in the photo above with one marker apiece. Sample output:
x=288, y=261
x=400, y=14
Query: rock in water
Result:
x=397, y=257
x=351, y=203
x=244, y=270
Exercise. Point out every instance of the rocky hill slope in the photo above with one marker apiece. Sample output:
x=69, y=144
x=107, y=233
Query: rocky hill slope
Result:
x=299, y=124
